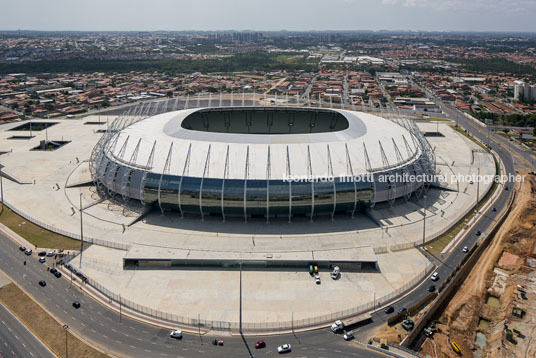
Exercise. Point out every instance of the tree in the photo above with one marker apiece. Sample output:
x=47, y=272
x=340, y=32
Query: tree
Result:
x=169, y=93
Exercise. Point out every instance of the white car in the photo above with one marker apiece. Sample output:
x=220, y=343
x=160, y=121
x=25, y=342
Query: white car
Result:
x=336, y=272
x=337, y=326
x=348, y=336
x=435, y=277
x=176, y=334
x=465, y=249
x=317, y=279
x=284, y=348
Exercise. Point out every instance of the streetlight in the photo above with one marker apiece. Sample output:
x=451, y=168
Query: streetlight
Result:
x=81, y=232
x=424, y=221
x=66, y=328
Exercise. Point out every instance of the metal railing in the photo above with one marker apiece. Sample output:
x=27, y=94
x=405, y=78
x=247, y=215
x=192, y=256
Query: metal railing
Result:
x=175, y=319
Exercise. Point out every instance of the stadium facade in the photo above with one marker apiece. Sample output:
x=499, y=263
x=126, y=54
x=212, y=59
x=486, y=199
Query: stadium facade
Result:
x=261, y=161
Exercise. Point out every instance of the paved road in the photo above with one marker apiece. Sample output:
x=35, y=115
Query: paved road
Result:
x=448, y=263
x=134, y=339
x=17, y=341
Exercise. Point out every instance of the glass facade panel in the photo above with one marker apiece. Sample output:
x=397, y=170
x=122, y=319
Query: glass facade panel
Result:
x=150, y=191
x=190, y=195
x=256, y=197
x=301, y=198
x=234, y=197
x=345, y=195
x=168, y=192
x=279, y=198
x=323, y=197
x=211, y=196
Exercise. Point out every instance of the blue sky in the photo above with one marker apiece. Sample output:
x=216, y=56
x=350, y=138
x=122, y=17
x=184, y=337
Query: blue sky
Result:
x=432, y=15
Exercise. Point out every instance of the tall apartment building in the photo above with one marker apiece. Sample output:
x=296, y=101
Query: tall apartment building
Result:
x=524, y=92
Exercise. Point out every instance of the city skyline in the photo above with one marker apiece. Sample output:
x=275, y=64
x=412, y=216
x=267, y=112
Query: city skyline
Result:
x=298, y=15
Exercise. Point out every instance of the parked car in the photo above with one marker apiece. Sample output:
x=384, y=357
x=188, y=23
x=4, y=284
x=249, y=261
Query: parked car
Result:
x=431, y=288
x=57, y=274
x=260, y=344
x=28, y=252
x=176, y=334
x=337, y=326
x=42, y=260
x=284, y=348
x=42, y=283
x=76, y=304
x=348, y=336
x=335, y=273
x=317, y=279
x=524, y=296
x=217, y=342
x=42, y=253
x=435, y=276
x=22, y=248
x=465, y=249
x=389, y=309
x=53, y=270
x=51, y=254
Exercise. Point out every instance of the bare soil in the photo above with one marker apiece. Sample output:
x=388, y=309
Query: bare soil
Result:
x=516, y=237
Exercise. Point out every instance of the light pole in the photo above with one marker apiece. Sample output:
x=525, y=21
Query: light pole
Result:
x=66, y=328
x=424, y=221
x=240, y=323
x=1, y=190
x=81, y=232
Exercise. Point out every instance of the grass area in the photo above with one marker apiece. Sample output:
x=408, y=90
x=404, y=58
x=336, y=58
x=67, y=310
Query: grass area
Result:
x=44, y=326
x=464, y=133
x=438, y=244
x=436, y=119
x=36, y=234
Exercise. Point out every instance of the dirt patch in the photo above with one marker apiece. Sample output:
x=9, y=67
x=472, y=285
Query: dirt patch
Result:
x=510, y=250
x=46, y=327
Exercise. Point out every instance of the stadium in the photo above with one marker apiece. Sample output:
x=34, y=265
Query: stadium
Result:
x=261, y=162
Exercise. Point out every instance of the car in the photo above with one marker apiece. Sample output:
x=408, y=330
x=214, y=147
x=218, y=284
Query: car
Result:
x=494, y=209
x=389, y=309
x=42, y=253
x=317, y=279
x=42, y=283
x=401, y=310
x=260, y=344
x=22, y=248
x=335, y=273
x=217, y=342
x=524, y=296
x=471, y=182
x=435, y=276
x=57, y=274
x=76, y=304
x=431, y=288
x=42, y=260
x=53, y=270
x=177, y=333
x=478, y=233
x=28, y=252
x=465, y=249
x=348, y=336
x=337, y=326
x=284, y=348
x=51, y=254
x=506, y=188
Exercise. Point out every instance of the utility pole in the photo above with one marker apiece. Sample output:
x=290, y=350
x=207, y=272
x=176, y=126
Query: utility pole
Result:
x=240, y=328
x=1, y=190
x=66, y=328
x=81, y=232
x=424, y=221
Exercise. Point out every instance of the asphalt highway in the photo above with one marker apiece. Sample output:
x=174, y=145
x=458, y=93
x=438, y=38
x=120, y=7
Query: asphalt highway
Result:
x=18, y=341
x=130, y=338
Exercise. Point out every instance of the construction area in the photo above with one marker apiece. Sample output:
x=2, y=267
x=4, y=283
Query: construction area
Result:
x=493, y=312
